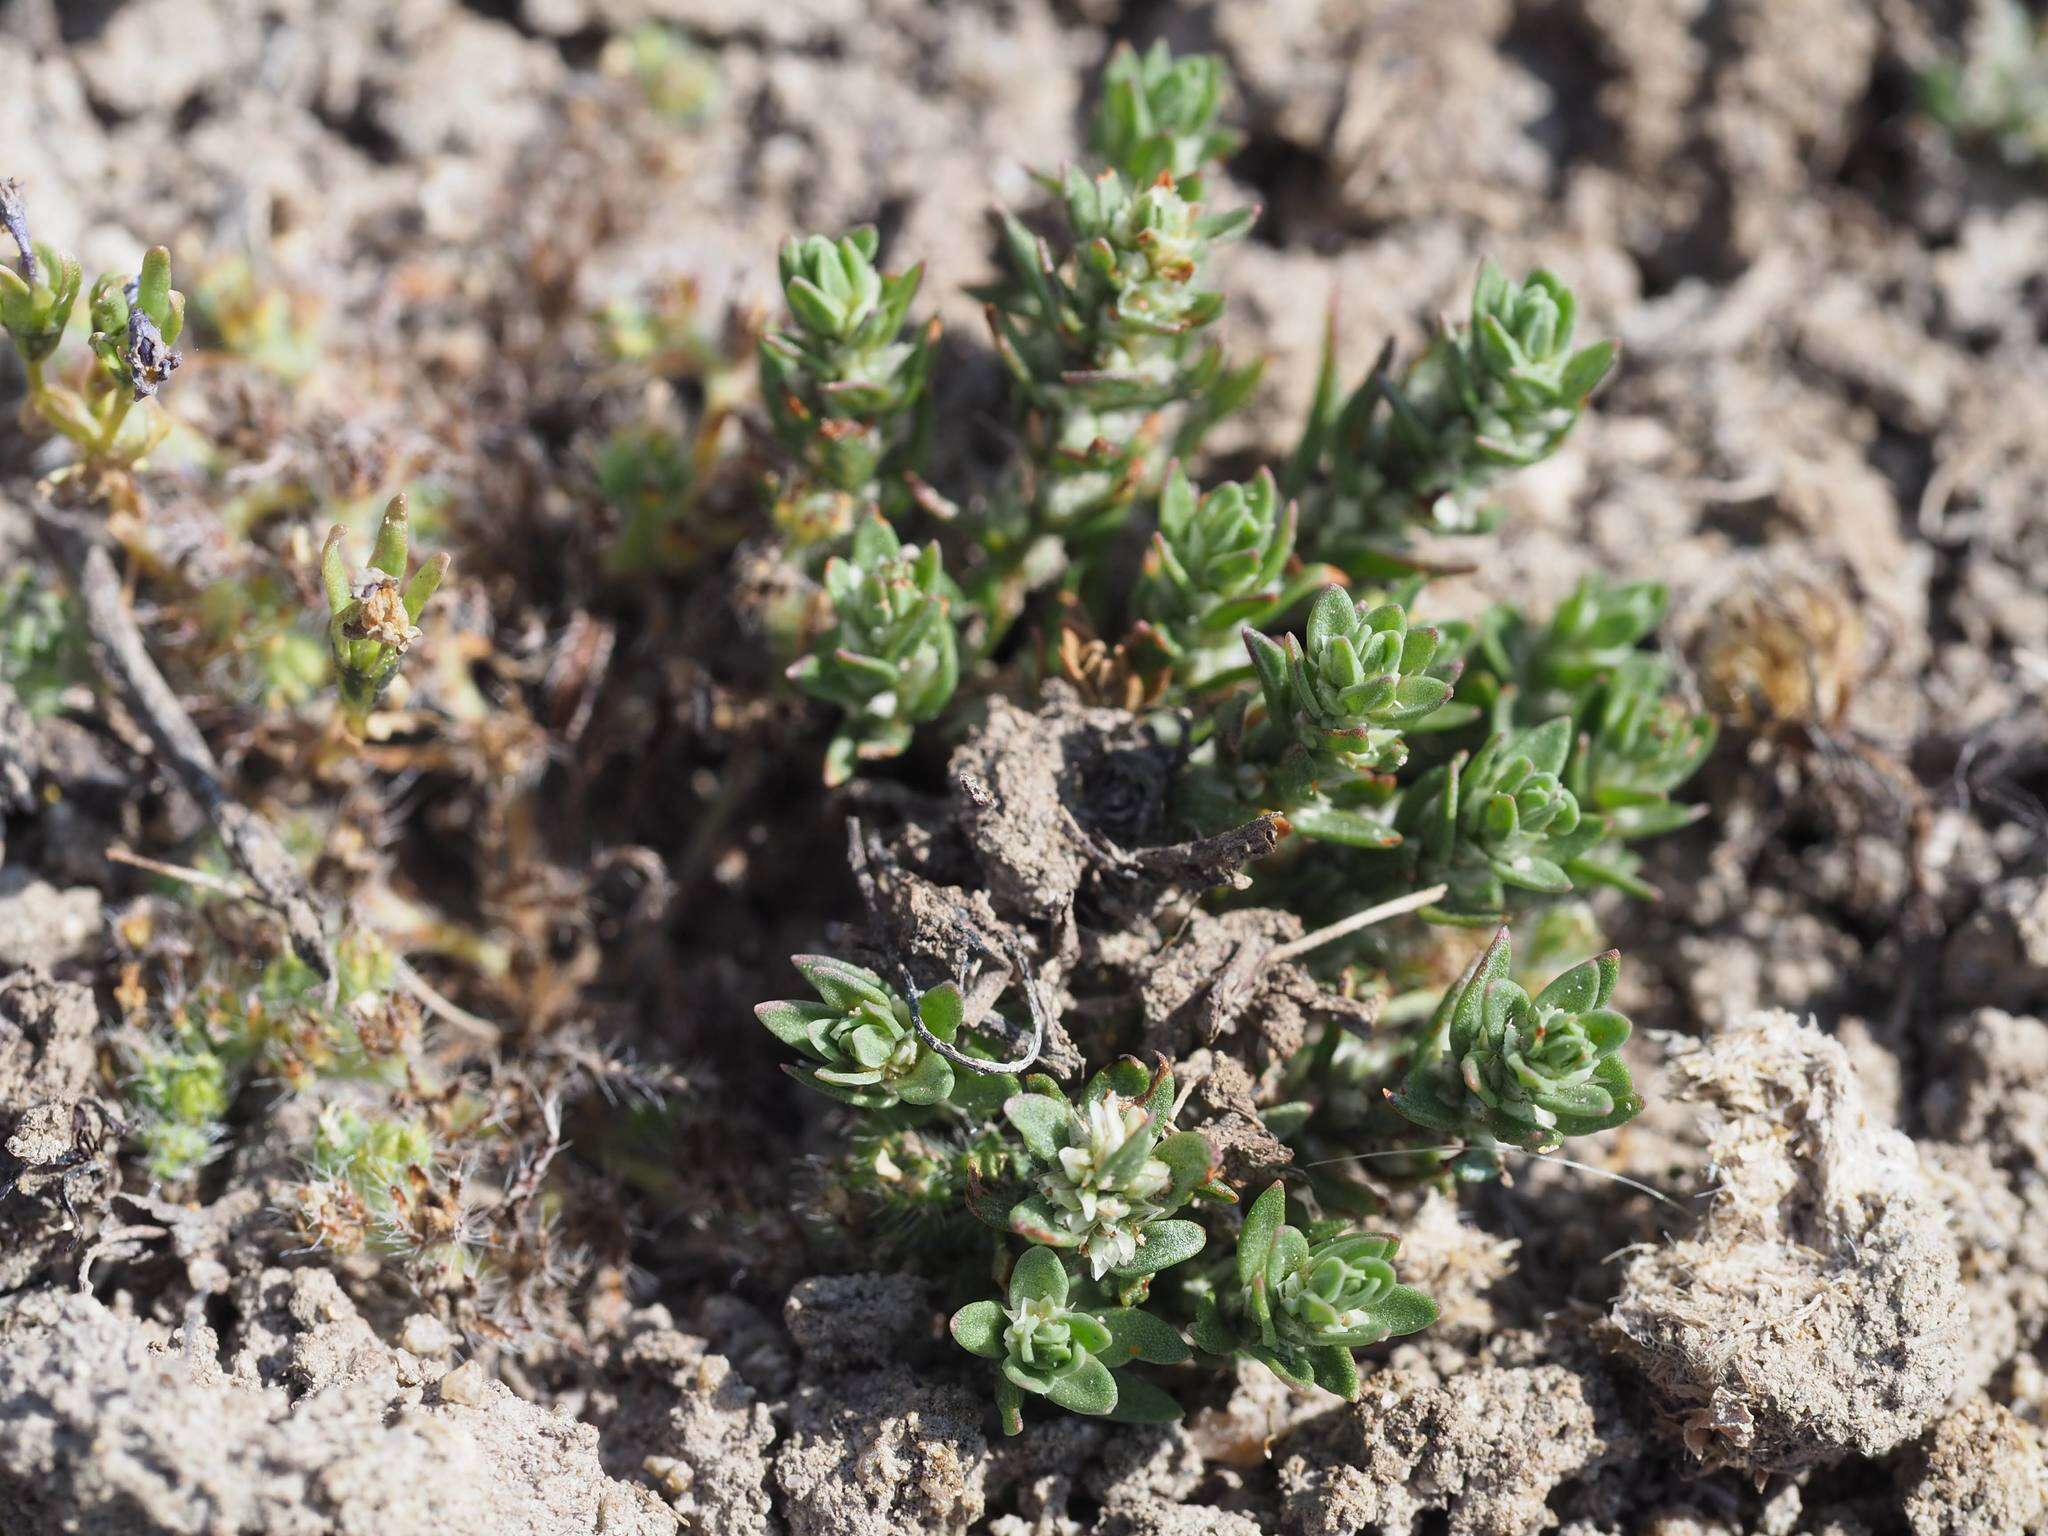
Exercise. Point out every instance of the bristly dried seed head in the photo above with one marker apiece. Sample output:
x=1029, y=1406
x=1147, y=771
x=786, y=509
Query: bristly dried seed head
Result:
x=380, y=614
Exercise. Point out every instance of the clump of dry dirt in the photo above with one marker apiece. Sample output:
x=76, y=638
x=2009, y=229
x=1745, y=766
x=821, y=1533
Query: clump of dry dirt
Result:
x=1490, y=1449
x=113, y=1426
x=1817, y=1312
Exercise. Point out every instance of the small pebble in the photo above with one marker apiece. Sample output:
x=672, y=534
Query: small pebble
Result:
x=466, y=1384
x=425, y=1335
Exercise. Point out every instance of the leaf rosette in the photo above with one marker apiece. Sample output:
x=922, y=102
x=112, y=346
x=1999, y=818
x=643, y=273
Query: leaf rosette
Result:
x=1303, y=1300
x=1500, y=1066
x=863, y=1049
x=1111, y=1172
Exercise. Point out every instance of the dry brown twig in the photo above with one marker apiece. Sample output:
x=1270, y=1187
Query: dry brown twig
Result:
x=122, y=656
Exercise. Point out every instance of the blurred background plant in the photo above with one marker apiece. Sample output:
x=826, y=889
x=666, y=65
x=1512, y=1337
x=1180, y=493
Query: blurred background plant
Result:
x=676, y=78
x=1994, y=91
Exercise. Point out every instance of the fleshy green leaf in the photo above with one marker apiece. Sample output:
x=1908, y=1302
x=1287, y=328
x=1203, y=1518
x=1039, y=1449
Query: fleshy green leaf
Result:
x=929, y=1081
x=1335, y=1371
x=1209, y=1332
x=1352, y=829
x=1032, y=1219
x=978, y=1328
x=1164, y=1244
x=1038, y=1276
x=1139, y=1402
x=943, y=1010
x=790, y=1022
x=1087, y=1389
x=1187, y=1154
x=1009, y=1406
x=1139, y=1335
x=1585, y=986
x=1255, y=1239
x=1403, y=1310
x=153, y=289
x=1040, y=1122
x=844, y=987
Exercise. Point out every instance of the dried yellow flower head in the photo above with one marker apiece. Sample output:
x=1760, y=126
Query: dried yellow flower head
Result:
x=374, y=613
x=381, y=615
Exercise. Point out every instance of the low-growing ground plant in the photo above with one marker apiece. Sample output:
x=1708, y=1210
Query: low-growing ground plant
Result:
x=384, y=1175
x=1993, y=92
x=233, y=1025
x=136, y=320
x=1270, y=635
x=1273, y=632
x=42, y=643
x=373, y=611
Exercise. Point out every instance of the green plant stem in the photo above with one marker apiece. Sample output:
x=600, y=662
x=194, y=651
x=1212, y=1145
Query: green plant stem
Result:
x=39, y=402
x=105, y=445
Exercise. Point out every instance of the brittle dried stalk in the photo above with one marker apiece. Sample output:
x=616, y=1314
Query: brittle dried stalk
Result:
x=123, y=657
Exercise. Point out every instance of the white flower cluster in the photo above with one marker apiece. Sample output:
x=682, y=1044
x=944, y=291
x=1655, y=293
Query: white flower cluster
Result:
x=1092, y=1198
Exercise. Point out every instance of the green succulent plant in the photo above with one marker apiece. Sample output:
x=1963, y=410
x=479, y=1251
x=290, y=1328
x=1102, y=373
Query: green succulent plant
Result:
x=1302, y=1301
x=1111, y=1173
x=1994, y=90
x=674, y=76
x=1354, y=681
x=384, y=1134
x=43, y=648
x=1497, y=1067
x=1639, y=744
x=376, y=1183
x=899, y=1193
x=891, y=658
x=1338, y=707
x=1370, y=766
x=373, y=612
x=36, y=301
x=279, y=1024
x=1215, y=566
x=1102, y=340
x=1554, y=668
x=1498, y=819
x=253, y=621
x=301, y=1030
x=646, y=476
x=863, y=1048
x=135, y=324
x=1064, y=1353
x=1496, y=394
x=178, y=1092
x=1637, y=736
x=845, y=388
x=1158, y=116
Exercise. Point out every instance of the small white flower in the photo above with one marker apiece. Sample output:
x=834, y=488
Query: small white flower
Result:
x=1105, y=1217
